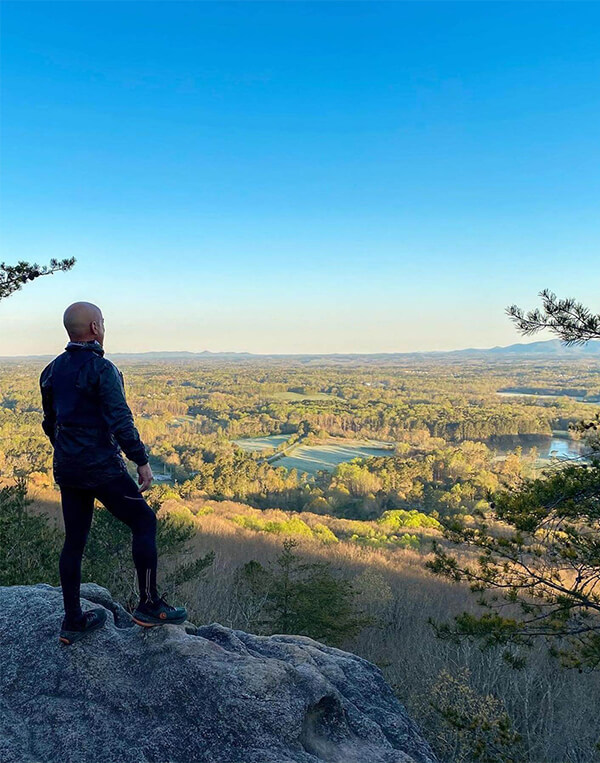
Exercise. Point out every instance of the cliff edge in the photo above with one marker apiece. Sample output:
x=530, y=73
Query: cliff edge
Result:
x=164, y=695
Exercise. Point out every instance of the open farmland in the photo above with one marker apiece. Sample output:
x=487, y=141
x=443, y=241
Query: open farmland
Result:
x=308, y=459
x=258, y=444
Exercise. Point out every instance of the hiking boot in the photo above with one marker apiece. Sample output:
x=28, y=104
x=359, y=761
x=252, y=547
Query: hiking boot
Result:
x=75, y=630
x=158, y=612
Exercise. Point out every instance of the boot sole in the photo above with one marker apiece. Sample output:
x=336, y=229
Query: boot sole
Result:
x=146, y=624
x=75, y=636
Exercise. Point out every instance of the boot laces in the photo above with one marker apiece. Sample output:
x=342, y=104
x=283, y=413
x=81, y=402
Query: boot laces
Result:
x=162, y=600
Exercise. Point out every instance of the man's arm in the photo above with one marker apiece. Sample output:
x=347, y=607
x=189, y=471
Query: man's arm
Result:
x=117, y=414
x=47, y=405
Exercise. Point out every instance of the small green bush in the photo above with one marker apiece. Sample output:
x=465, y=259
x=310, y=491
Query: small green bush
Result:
x=324, y=534
x=398, y=518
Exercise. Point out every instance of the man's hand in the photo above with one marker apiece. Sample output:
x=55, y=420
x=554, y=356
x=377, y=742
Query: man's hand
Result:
x=145, y=477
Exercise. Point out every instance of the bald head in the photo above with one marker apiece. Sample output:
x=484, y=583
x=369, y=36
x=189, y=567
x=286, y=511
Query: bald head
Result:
x=84, y=322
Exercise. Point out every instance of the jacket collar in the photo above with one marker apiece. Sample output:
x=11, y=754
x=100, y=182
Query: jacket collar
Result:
x=94, y=345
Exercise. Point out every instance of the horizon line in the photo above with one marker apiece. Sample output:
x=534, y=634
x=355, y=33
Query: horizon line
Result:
x=308, y=354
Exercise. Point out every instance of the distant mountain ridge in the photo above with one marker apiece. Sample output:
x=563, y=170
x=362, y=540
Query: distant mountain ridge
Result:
x=548, y=347
x=551, y=348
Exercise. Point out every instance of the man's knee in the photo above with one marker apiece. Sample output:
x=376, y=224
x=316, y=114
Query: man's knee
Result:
x=145, y=522
x=151, y=519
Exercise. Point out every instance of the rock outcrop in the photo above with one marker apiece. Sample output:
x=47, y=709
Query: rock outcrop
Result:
x=125, y=694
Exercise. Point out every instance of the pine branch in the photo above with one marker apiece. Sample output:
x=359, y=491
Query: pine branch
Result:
x=12, y=277
x=571, y=321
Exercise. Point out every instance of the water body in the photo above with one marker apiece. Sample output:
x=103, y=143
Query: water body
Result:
x=549, y=397
x=558, y=445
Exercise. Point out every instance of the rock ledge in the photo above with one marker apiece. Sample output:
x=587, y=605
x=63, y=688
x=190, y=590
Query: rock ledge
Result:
x=163, y=695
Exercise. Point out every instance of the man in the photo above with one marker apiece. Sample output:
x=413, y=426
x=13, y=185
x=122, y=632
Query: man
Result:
x=89, y=422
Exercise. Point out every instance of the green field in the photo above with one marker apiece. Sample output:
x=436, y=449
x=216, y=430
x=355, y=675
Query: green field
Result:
x=310, y=458
x=257, y=444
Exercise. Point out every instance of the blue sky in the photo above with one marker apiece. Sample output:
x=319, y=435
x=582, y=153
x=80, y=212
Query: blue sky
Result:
x=298, y=177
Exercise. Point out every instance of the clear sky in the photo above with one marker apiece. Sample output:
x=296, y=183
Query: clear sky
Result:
x=298, y=177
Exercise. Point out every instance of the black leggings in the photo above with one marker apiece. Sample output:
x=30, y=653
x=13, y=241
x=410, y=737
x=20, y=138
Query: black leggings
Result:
x=124, y=501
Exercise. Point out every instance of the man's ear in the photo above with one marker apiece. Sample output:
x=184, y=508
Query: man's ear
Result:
x=94, y=328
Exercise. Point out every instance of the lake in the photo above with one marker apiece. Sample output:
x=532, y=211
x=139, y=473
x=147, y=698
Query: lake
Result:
x=549, y=397
x=558, y=445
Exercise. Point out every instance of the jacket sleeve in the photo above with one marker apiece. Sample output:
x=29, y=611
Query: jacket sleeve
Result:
x=49, y=418
x=117, y=414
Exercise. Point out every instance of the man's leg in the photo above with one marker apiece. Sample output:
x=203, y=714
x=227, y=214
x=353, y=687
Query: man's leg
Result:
x=124, y=501
x=78, y=510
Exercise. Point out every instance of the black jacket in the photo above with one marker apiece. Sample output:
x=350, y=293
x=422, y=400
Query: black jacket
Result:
x=87, y=417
